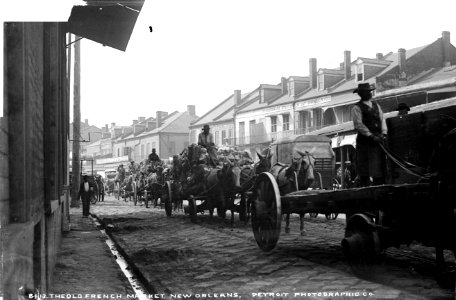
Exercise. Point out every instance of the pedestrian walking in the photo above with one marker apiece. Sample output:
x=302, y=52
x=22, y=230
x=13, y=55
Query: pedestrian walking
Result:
x=371, y=127
x=85, y=192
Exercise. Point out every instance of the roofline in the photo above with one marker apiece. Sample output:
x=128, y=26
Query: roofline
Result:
x=215, y=122
x=197, y=120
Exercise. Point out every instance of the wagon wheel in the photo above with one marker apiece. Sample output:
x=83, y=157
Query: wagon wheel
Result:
x=166, y=196
x=313, y=215
x=135, y=193
x=361, y=242
x=331, y=216
x=192, y=209
x=266, y=212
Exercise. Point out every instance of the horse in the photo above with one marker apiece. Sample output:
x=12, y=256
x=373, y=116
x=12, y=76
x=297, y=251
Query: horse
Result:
x=221, y=187
x=248, y=176
x=299, y=175
x=100, y=188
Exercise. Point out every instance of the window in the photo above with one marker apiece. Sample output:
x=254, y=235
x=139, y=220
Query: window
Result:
x=171, y=148
x=148, y=150
x=230, y=136
x=274, y=124
x=118, y=152
x=224, y=137
x=286, y=122
x=217, y=136
x=153, y=145
x=252, y=128
x=241, y=133
x=142, y=151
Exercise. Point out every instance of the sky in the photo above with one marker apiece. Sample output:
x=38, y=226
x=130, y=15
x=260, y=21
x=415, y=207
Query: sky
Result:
x=200, y=51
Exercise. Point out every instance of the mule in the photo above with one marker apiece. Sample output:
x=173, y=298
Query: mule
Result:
x=299, y=175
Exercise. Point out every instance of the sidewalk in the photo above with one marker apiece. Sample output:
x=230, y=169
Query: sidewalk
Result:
x=85, y=265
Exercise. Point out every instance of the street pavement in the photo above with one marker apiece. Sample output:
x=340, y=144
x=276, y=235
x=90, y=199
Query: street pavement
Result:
x=179, y=259
x=85, y=266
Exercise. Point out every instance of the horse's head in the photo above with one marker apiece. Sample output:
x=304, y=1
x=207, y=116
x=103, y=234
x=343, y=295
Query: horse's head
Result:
x=264, y=164
x=231, y=176
x=304, y=167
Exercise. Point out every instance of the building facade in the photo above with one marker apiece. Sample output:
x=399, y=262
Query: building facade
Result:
x=321, y=102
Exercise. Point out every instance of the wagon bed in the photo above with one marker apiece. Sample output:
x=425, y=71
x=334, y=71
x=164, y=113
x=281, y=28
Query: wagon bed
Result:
x=350, y=200
x=362, y=205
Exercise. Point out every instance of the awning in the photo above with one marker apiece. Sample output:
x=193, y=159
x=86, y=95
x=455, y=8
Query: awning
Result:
x=110, y=25
x=451, y=89
x=344, y=99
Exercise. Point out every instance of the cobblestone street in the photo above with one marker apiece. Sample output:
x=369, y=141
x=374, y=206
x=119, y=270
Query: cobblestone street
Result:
x=176, y=256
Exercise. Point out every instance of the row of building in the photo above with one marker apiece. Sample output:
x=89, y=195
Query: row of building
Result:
x=319, y=103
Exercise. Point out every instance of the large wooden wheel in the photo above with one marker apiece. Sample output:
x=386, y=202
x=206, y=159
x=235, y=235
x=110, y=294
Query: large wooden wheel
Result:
x=266, y=212
x=361, y=242
x=167, y=198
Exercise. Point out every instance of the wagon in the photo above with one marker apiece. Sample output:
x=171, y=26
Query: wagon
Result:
x=204, y=189
x=285, y=150
x=378, y=217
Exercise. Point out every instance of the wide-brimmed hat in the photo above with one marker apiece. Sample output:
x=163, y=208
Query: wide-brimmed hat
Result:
x=363, y=87
x=206, y=127
x=403, y=106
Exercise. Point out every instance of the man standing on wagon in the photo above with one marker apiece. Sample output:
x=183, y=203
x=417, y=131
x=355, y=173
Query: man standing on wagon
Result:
x=370, y=124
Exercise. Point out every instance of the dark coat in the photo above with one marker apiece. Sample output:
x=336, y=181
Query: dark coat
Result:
x=83, y=194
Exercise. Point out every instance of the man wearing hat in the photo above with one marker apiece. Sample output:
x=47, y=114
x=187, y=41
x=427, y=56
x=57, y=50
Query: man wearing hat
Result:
x=85, y=192
x=206, y=140
x=153, y=157
x=371, y=127
x=403, y=109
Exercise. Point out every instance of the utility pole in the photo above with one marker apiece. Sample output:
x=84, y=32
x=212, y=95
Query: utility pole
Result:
x=76, y=124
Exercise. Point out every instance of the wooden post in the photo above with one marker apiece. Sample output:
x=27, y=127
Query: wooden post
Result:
x=76, y=124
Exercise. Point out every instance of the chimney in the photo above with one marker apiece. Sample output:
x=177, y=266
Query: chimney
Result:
x=135, y=122
x=401, y=60
x=138, y=127
x=347, y=65
x=141, y=119
x=191, y=110
x=446, y=45
x=379, y=56
x=313, y=72
x=160, y=115
x=284, y=86
x=86, y=121
x=341, y=66
x=151, y=125
x=237, y=97
x=113, y=124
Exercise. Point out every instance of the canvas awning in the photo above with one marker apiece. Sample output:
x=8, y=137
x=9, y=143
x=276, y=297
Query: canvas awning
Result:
x=109, y=23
